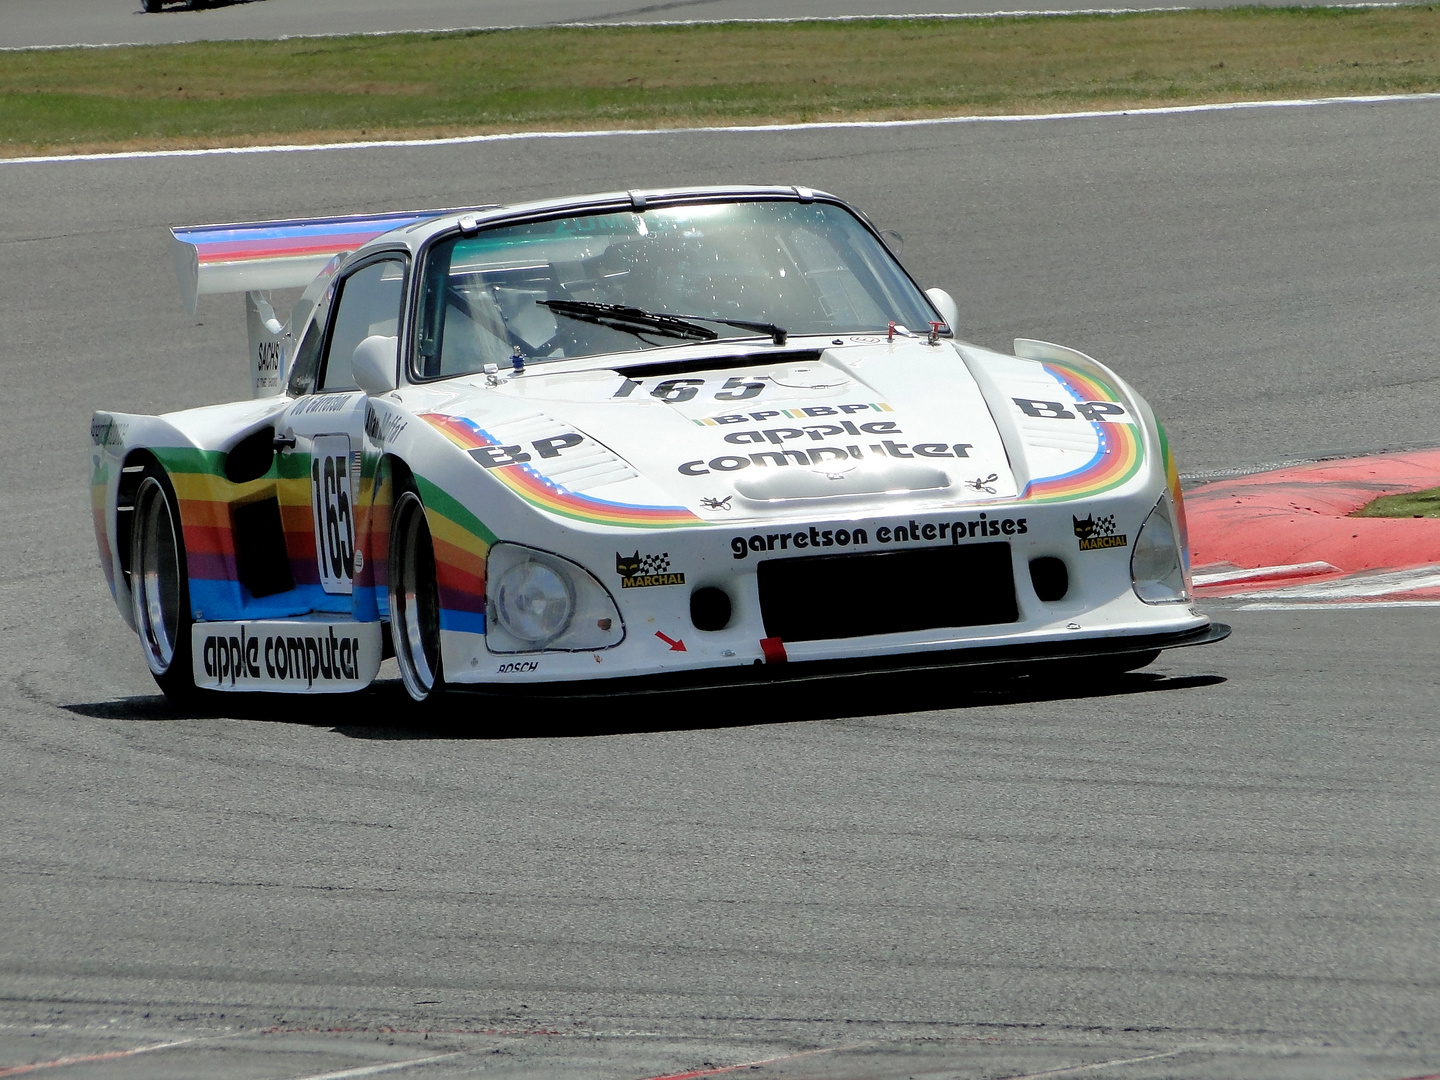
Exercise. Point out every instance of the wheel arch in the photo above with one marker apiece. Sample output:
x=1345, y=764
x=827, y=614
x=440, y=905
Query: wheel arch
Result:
x=395, y=471
x=392, y=475
x=132, y=470
x=412, y=585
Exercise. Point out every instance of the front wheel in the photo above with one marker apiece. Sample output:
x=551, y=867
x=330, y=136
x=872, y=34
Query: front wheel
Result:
x=414, y=599
x=153, y=5
x=160, y=587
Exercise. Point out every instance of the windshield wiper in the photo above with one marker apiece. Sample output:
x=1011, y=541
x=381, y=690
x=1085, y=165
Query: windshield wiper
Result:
x=778, y=334
x=622, y=317
x=629, y=319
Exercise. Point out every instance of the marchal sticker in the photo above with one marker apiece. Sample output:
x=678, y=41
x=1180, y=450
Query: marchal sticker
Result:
x=644, y=571
x=1096, y=534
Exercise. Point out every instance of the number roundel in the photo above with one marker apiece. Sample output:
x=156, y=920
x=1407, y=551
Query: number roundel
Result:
x=331, y=500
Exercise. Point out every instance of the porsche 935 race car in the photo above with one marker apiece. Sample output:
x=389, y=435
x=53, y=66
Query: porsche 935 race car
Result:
x=700, y=435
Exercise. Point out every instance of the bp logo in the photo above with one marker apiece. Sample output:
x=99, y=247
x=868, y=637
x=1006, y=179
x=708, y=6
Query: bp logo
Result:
x=642, y=571
x=1097, y=533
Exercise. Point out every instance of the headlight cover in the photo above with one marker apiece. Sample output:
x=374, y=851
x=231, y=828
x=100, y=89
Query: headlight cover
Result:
x=1157, y=564
x=536, y=601
x=533, y=601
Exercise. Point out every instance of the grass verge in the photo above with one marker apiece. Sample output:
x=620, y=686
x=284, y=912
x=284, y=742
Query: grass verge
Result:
x=1409, y=504
x=424, y=85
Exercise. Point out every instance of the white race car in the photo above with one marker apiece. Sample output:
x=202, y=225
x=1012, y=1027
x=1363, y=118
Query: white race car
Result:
x=696, y=436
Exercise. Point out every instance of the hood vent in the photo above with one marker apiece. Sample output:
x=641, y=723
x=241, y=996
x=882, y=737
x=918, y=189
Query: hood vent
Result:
x=719, y=363
x=793, y=485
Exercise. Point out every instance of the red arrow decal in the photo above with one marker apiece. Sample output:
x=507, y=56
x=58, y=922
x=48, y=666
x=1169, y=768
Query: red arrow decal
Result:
x=675, y=646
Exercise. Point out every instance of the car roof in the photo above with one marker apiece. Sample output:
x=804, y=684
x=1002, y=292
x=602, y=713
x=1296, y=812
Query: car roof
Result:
x=413, y=235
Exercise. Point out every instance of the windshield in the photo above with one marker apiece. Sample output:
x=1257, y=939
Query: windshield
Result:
x=593, y=284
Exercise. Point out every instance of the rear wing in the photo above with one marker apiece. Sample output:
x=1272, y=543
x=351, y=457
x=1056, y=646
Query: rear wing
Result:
x=263, y=255
x=258, y=256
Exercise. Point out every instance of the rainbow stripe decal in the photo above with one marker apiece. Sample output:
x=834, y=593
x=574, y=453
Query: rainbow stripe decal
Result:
x=287, y=239
x=461, y=543
x=540, y=491
x=1116, y=459
x=206, y=502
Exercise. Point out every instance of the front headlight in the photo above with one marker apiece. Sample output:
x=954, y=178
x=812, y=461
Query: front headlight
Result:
x=538, y=601
x=534, y=602
x=1157, y=563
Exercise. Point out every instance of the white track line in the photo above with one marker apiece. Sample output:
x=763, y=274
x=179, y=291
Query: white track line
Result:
x=1261, y=574
x=1017, y=13
x=111, y=1055
x=716, y=1070
x=1069, y=1070
x=1357, y=605
x=1356, y=586
x=831, y=125
x=373, y=1070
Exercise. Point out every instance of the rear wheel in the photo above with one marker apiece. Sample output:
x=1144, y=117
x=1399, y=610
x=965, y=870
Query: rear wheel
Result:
x=414, y=599
x=152, y=5
x=159, y=585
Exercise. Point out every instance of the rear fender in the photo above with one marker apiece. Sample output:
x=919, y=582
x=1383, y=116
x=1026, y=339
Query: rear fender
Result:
x=123, y=444
x=119, y=451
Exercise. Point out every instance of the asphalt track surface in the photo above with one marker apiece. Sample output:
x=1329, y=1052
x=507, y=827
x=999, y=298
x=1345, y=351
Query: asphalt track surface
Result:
x=25, y=23
x=1223, y=866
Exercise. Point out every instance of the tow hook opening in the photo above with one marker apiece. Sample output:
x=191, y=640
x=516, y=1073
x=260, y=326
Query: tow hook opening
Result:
x=1050, y=577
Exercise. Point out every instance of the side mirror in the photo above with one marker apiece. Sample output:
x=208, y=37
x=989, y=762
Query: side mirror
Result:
x=949, y=310
x=373, y=364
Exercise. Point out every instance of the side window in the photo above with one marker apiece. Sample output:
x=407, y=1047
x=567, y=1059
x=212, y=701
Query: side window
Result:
x=307, y=359
x=369, y=303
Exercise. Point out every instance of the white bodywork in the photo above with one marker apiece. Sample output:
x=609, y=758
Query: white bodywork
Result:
x=731, y=455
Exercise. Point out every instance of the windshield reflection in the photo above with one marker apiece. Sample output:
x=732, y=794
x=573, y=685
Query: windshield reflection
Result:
x=810, y=268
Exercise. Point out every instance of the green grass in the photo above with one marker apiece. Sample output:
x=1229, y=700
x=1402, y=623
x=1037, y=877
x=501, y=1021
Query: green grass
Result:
x=1410, y=504
x=419, y=85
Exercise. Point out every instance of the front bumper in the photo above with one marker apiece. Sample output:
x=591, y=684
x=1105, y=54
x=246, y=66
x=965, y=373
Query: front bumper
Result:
x=1000, y=660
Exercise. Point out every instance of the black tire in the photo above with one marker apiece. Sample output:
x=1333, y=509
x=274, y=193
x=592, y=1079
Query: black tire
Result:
x=160, y=585
x=152, y=5
x=414, y=597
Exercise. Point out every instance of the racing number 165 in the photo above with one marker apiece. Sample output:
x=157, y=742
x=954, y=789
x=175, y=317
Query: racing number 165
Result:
x=330, y=499
x=677, y=390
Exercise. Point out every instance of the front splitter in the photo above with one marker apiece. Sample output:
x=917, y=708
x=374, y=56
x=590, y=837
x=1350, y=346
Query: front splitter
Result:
x=1006, y=659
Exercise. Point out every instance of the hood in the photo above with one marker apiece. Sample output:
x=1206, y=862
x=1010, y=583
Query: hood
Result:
x=710, y=435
